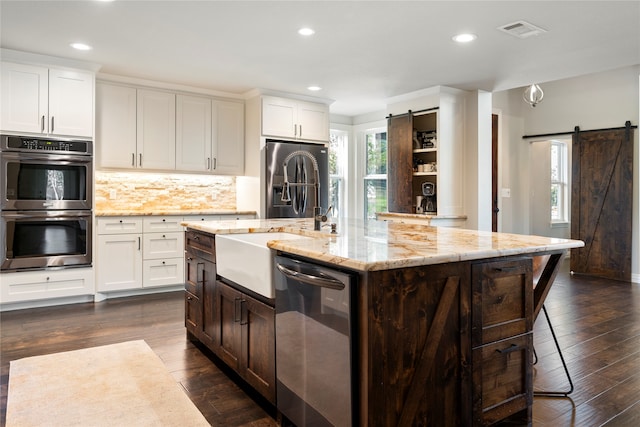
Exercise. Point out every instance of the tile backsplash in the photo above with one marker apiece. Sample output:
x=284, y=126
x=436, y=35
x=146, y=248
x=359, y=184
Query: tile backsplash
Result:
x=149, y=192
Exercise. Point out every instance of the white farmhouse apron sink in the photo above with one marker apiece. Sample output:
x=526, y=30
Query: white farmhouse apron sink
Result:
x=246, y=260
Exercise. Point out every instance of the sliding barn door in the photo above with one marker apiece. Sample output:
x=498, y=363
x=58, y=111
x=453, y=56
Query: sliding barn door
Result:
x=601, y=203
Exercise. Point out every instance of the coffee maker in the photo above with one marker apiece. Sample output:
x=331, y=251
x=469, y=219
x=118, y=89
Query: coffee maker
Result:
x=429, y=203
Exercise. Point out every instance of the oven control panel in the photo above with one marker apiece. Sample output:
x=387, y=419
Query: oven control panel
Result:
x=22, y=143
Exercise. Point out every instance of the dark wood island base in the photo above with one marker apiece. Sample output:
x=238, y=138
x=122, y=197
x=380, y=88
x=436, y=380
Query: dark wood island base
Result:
x=451, y=344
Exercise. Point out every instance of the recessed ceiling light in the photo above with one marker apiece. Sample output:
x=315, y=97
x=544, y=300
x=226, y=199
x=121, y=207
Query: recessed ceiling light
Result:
x=314, y=88
x=306, y=31
x=464, y=38
x=81, y=46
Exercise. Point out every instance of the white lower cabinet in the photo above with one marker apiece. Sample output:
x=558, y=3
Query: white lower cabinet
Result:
x=46, y=284
x=138, y=252
x=153, y=256
x=119, y=262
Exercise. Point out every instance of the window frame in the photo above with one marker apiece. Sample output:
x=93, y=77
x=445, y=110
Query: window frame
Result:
x=561, y=182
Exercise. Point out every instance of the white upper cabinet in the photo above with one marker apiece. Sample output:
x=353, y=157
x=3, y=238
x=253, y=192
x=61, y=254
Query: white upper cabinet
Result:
x=140, y=128
x=135, y=128
x=156, y=131
x=278, y=117
x=193, y=133
x=313, y=121
x=44, y=100
x=290, y=118
x=116, y=126
x=228, y=140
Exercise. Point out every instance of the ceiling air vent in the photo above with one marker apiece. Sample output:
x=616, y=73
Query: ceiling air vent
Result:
x=522, y=29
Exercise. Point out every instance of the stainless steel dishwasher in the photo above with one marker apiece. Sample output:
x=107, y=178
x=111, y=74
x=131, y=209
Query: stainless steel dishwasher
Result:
x=314, y=351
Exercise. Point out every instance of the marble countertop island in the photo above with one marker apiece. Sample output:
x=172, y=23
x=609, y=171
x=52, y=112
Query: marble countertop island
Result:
x=382, y=245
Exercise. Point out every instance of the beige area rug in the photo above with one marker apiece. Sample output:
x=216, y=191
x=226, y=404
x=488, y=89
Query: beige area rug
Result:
x=115, y=385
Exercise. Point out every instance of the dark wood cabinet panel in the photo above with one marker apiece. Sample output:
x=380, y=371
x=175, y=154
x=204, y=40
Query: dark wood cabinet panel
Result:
x=502, y=299
x=502, y=379
x=400, y=164
x=228, y=302
x=502, y=321
x=209, y=330
x=258, y=340
x=238, y=328
x=247, y=338
x=192, y=314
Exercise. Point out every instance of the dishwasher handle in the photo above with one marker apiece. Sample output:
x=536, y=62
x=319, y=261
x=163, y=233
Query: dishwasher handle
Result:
x=310, y=279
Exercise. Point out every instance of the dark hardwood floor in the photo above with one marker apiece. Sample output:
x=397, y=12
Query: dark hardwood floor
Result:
x=596, y=321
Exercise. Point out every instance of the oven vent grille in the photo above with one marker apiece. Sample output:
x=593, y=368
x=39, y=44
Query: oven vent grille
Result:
x=522, y=29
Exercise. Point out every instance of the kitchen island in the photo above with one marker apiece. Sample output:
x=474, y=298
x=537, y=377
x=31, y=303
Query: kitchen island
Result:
x=443, y=316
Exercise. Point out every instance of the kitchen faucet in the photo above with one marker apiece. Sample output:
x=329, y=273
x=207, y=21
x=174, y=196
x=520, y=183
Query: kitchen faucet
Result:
x=318, y=217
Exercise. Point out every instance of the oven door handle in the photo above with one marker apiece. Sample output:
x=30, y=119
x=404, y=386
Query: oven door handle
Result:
x=310, y=279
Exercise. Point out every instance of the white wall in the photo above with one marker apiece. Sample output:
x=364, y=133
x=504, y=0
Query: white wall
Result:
x=594, y=101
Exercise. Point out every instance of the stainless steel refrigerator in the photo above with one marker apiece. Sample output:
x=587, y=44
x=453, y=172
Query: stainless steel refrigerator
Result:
x=300, y=170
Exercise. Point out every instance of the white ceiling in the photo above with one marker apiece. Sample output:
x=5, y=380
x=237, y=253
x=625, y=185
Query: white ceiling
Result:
x=363, y=52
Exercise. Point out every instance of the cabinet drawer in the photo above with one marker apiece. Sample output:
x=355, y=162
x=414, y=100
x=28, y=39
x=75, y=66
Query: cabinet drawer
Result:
x=200, y=244
x=192, y=312
x=502, y=300
x=163, y=272
x=502, y=378
x=119, y=225
x=162, y=223
x=163, y=245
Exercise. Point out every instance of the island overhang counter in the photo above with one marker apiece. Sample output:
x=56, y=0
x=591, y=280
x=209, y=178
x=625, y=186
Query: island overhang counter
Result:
x=444, y=316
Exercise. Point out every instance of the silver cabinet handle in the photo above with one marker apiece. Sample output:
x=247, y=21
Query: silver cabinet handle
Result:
x=139, y=243
x=309, y=279
x=215, y=163
x=52, y=124
x=208, y=163
x=295, y=130
x=300, y=130
x=140, y=159
x=42, y=124
x=133, y=159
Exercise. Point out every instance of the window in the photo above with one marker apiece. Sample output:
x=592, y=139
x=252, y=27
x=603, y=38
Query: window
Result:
x=337, y=157
x=559, y=182
x=375, y=179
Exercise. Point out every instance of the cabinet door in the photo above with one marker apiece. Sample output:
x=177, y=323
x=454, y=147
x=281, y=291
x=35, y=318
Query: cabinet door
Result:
x=156, y=130
x=70, y=103
x=210, y=324
x=193, y=133
x=192, y=313
x=228, y=305
x=228, y=141
x=313, y=121
x=119, y=262
x=258, y=364
x=278, y=117
x=115, y=126
x=24, y=98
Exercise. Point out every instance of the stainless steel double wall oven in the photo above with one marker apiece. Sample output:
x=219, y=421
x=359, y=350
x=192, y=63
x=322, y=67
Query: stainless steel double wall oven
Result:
x=45, y=202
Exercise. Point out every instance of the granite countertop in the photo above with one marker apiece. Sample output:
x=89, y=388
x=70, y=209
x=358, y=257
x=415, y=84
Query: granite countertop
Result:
x=103, y=212
x=383, y=245
x=418, y=215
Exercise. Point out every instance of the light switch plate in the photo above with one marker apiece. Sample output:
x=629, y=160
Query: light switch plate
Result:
x=505, y=192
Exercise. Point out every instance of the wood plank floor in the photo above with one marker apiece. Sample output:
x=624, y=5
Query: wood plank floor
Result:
x=596, y=321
